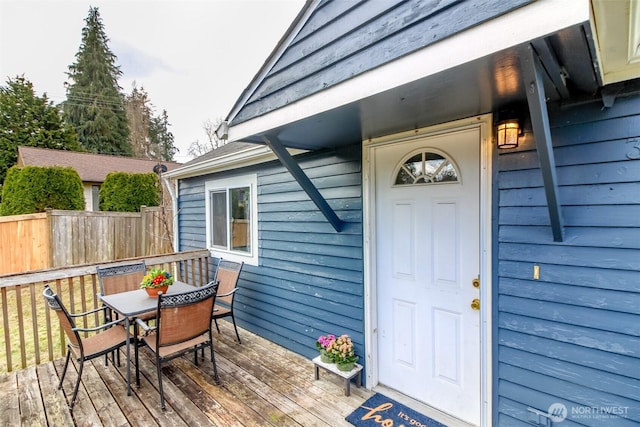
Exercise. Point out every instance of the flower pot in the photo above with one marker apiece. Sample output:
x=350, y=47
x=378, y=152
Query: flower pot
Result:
x=324, y=357
x=346, y=366
x=153, y=292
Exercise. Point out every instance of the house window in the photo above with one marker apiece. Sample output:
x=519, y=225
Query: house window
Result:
x=95, y=198
x=231, y=209
x=426, y=167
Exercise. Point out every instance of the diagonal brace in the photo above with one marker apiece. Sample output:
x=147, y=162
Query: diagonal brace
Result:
x=533, y=84
x=301, y=178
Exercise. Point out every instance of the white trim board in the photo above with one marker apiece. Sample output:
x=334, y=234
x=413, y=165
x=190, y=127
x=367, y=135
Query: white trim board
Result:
x=248, y=180
x=247, y=157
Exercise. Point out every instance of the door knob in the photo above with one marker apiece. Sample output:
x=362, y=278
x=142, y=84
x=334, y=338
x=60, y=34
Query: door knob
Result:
x=475, y=304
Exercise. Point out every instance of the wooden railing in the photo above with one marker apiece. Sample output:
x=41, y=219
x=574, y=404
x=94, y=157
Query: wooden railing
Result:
x=29, y=335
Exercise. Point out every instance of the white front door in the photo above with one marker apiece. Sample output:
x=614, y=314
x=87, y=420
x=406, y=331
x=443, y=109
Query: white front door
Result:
x=427, y=257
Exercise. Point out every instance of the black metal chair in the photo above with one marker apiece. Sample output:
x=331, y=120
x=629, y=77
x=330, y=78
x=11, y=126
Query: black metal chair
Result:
x=183, y=324
x=122, y=278
x=227, y=275
x=83, y=349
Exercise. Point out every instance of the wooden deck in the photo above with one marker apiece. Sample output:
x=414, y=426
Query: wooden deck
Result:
x=262, y=384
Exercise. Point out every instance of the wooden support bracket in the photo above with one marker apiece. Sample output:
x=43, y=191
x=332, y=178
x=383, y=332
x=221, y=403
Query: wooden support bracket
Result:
x=301, y=178
x=533, y=84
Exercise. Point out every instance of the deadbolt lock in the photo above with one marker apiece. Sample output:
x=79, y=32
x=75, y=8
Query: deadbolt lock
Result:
x=476, y=283
x=475, y=304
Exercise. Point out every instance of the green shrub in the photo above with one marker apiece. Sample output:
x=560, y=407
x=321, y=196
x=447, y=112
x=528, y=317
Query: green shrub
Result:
x=126, y=192
x=33, y=189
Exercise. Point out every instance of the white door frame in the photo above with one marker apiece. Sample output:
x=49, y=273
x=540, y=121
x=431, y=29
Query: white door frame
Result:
x=484, y=124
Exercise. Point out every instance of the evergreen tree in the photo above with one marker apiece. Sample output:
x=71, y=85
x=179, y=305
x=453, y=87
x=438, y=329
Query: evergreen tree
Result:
x=150, y=135
x=95, y=104
x=138, y=110
x=161, y=139
x=29, y=120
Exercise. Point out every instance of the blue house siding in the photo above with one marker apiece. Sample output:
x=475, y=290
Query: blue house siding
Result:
x=191, y=215
x=573, y=336
x=309, y=281
x=345, y=38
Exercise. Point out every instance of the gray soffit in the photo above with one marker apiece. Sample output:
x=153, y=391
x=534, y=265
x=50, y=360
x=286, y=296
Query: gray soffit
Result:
x=485, y=85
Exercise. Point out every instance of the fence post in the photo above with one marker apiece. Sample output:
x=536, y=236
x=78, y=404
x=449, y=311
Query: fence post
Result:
x=49, y=240
x=143, y=230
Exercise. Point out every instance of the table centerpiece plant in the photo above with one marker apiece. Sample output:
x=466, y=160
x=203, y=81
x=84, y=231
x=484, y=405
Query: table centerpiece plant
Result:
x=342, y=352
x=321, y=344
x=156, y=280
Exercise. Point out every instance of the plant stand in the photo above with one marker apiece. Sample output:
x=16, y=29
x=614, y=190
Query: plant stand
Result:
x=346, y=375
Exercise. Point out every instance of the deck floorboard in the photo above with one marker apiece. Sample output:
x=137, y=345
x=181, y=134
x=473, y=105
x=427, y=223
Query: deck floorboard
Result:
x=262, y=384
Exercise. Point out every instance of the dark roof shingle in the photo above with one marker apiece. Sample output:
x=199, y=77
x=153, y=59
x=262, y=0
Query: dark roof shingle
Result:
x=90, y=167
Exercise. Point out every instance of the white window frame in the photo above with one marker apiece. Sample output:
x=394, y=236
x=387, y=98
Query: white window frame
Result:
x=224, y=184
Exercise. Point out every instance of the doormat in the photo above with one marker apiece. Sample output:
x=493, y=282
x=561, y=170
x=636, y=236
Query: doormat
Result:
x=380, y=410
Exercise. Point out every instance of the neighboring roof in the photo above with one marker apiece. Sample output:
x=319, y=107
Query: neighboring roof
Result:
x=90, y=167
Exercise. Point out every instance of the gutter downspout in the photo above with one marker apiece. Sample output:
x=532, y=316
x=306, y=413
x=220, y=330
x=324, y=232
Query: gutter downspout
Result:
x=174, y=204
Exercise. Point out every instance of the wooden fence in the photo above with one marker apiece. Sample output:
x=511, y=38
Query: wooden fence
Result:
x=30, y=335
x=60, y=238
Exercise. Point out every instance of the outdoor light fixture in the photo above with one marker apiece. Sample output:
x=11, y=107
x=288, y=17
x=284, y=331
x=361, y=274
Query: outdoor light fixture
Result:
x=508, y=132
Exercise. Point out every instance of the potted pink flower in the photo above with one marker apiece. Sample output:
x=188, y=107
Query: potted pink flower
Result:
x=322, y=344
x=342, y=352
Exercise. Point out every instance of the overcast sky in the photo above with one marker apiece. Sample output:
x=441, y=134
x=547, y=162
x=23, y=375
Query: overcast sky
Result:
x=194, y=58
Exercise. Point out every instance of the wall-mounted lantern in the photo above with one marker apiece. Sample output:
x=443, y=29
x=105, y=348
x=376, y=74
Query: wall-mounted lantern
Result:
x=507, y=133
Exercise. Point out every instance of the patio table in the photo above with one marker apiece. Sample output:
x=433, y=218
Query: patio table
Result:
x=133, y=303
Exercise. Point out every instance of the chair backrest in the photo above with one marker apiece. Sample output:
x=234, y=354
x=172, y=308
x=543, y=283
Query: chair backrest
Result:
x=183, y=316
x=120, y=278
x=66, y=321
x=227, y=275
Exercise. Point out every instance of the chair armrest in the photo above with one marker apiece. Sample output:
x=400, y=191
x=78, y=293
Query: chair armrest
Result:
x=87, y=312
x=144, y=325
x=99, y=327
x=227, y=294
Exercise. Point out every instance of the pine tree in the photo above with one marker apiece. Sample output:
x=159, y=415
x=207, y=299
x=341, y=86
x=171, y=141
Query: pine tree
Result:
x=150, y=136
x=138, y=110
x=95, y=104
x=161, y=139
x=29, y=120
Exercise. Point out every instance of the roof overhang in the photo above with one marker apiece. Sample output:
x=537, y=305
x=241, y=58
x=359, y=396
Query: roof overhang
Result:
x=616, y=33
x=470, y=73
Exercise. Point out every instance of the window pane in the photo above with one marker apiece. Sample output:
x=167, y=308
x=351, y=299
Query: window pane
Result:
x=403, y=178
x=240, y=220
x=426, y=168
x=432, y=164
x=446, y=173
x=218, y=218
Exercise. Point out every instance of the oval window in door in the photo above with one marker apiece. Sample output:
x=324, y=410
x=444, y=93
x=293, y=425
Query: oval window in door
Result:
x=426, y=167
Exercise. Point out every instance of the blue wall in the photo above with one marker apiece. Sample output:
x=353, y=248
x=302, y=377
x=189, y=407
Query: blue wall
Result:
x=573, y=336
x=310, y=278
x=345, y=38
